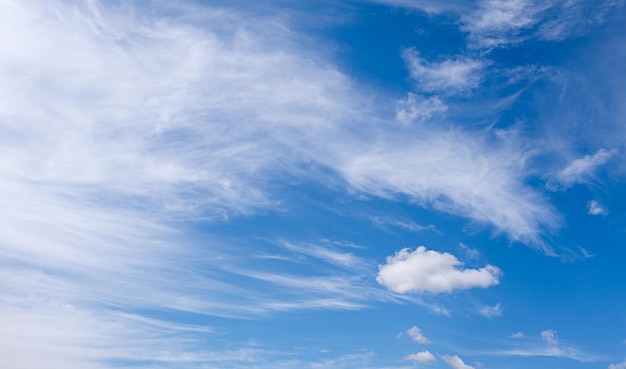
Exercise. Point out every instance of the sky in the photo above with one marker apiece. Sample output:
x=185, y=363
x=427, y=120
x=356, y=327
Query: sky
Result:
x=315, y=184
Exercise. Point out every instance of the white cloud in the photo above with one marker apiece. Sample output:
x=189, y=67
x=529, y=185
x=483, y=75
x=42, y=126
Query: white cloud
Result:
x=425, y=270
x=582, y=170
x=455, y=172
x=549, y=336
x=121, y=125
x=500, y=22
x=417, y=110
x=455, y=362
x=491, y=311
x=416, y=334
x=550, y=347
x=421, y=357
x=448, y=77
x=621, y=365
x=594, y=208
x=551, y=351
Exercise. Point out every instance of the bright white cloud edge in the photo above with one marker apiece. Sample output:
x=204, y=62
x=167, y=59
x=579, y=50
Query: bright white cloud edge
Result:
x=423, y=270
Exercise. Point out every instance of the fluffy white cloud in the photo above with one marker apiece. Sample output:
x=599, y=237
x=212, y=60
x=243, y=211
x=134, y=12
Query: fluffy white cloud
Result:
x=455, y=362
x=447, y=77
x=416, y=334
x=430, y=271
x=421, y=357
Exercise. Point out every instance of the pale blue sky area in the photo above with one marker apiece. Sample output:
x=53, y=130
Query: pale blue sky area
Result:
x=385, y=184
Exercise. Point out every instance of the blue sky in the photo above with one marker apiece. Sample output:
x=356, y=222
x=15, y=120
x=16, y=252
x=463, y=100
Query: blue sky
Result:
x=382, y=184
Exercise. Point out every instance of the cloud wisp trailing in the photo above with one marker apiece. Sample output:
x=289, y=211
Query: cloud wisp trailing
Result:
x=122, y=128
x=549, y=346
x=581, y=170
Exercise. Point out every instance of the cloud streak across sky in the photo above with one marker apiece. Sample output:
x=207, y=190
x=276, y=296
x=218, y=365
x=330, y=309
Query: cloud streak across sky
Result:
x=127, y=127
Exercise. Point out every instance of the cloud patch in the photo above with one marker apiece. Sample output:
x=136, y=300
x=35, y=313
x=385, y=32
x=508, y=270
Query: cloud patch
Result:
x=416, y=335
x=456, y=362
x=423, y=357
x=491, y=311
x=447, y=77
x=594, y=208
x=428, y=271
x=581, y=170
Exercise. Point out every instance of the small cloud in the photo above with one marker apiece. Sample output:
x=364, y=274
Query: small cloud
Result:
x=421, y=357
x=417, y=110
x=425, y=270
x=518, y=335
x=491, y=311
x=581, y=170
x=621, y=365
x=594, y=208
x=448, y=77
x=585, y=254
x=549, y=336
x=416, y=335
x=455, y=362
x=469, y=252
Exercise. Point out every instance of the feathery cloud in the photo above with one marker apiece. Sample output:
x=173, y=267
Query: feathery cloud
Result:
x=581, y=170
x=447, y=77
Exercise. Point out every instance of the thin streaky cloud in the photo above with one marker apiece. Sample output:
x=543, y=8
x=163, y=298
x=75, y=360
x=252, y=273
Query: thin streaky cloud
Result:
x=582, y=170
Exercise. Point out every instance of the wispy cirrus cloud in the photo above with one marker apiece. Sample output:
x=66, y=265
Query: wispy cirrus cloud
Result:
x=581, y=170
x=120, y=126
x=500, y=23
x=447, y=77
x=548, y=346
